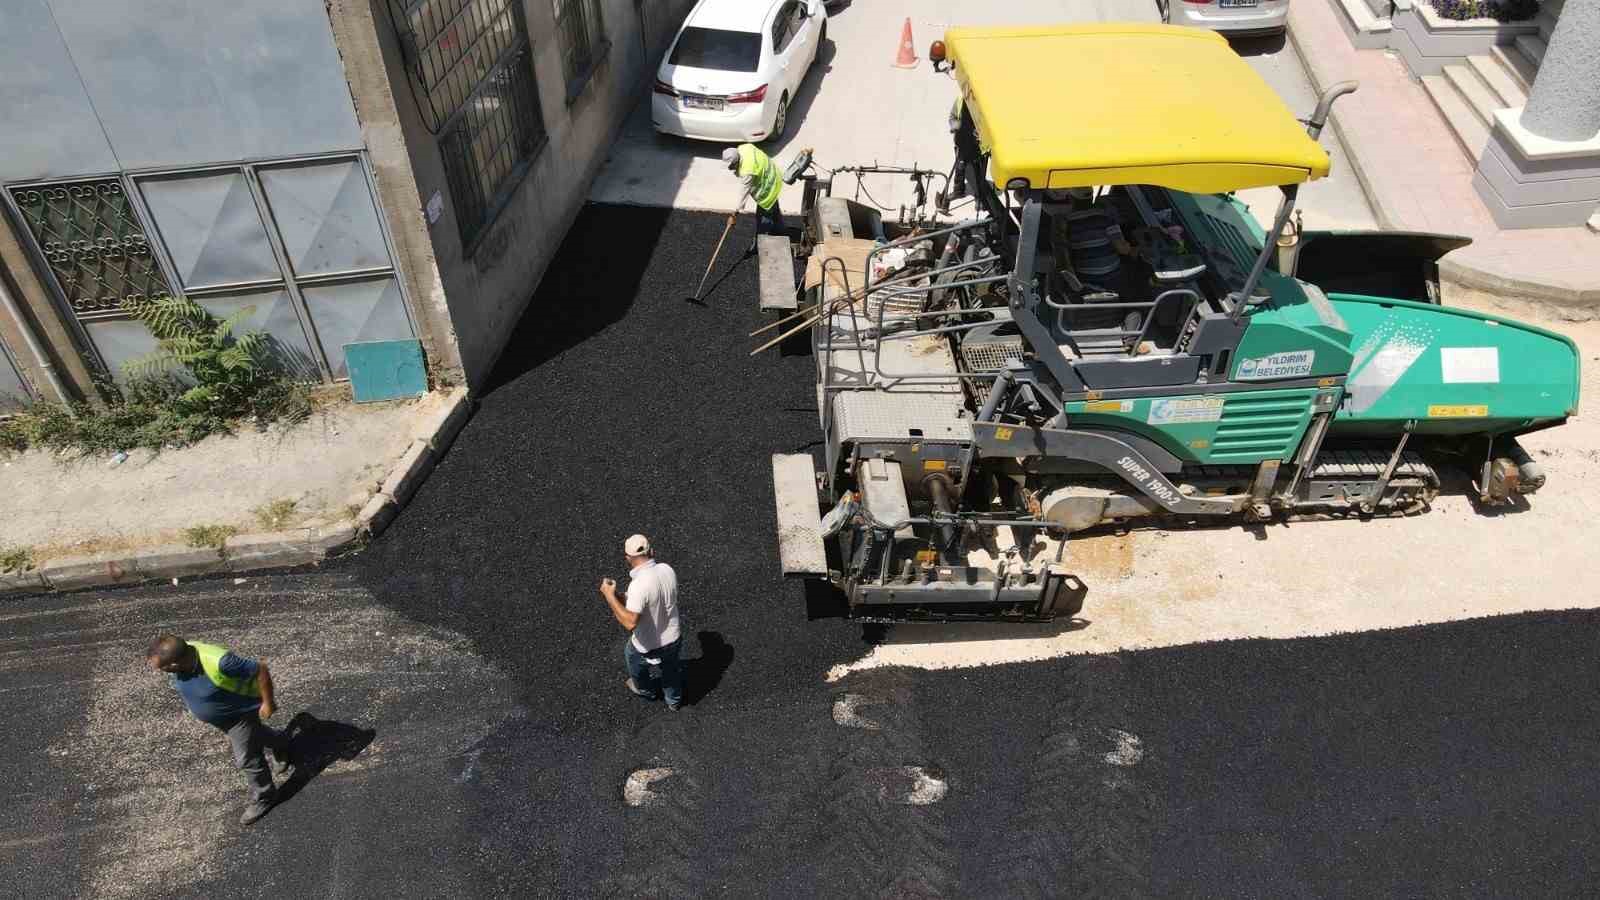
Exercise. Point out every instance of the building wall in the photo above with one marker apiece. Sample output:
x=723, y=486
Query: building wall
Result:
x=112, y=88
x=16, y=389
x=486, y=287
x=14, y=392
x=97, y=86
x=125, y=89
x=33, y=299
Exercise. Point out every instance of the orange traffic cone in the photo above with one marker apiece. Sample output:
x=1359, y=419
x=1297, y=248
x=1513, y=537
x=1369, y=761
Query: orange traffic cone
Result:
x=907, y=58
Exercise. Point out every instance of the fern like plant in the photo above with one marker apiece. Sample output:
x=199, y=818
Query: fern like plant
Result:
x=228, y=366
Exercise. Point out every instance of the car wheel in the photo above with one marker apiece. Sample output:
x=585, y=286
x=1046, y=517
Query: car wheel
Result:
x=780, y=119
x=822, y=38
x=1166, y=12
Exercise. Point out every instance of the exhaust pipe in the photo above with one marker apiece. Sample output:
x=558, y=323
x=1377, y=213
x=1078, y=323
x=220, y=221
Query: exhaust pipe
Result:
x=1319, y=117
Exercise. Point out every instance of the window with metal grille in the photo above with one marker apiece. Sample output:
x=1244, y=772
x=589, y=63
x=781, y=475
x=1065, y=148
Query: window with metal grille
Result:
x=96, y=249
x=475, y=89
x=582, y=39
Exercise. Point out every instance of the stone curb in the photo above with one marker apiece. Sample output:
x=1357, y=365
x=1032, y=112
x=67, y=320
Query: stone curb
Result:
x=30, y=582
x=307, y=545
x=1461, y=271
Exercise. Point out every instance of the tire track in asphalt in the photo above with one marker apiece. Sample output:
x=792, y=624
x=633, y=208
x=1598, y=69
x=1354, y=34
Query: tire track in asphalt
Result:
x=1089, y=810
x=886, y=833
x=665, y=853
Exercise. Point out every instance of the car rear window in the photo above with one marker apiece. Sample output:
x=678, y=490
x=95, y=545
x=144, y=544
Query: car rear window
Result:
x=716, y=48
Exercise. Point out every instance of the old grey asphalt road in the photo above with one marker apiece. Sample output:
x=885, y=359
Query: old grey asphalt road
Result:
x=464, y=688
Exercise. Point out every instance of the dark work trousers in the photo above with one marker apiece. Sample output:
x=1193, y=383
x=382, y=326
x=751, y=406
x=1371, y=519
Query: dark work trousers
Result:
x=770, y=221
x=249, y=738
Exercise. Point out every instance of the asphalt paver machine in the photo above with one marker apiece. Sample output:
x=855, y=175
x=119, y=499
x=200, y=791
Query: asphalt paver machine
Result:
x=1109, y=335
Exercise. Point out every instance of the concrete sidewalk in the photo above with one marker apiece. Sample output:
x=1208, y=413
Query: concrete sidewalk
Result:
x=270, y=499
x=1417, y=178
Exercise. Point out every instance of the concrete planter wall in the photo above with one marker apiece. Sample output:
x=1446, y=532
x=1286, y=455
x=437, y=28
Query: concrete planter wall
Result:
x=1428, y=43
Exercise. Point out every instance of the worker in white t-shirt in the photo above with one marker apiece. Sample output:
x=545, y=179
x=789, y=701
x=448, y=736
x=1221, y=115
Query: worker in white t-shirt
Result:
x=649, y=610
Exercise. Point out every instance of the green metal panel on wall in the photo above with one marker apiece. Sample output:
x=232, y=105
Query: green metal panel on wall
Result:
x=386, y=370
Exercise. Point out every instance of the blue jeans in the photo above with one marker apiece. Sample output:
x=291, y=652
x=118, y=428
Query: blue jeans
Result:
x=671, y=680
x=770, y=221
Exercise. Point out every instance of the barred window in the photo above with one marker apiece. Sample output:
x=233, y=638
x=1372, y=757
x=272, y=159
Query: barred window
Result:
x=582, y=39
x=477, y=93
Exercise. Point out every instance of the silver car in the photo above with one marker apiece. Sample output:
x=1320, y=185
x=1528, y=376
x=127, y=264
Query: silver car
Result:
x=1232, y=17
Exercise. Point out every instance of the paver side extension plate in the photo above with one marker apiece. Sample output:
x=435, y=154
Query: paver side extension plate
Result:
x=386, y=370
x=794, y=483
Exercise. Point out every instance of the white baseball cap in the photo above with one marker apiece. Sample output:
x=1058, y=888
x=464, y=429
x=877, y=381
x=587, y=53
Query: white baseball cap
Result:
x=638, y=545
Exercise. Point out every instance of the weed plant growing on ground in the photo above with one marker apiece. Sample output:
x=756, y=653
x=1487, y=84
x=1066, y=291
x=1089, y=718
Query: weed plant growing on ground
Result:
x=213, y=536
x=204, y=378
x=275, y=515
x=15, y=559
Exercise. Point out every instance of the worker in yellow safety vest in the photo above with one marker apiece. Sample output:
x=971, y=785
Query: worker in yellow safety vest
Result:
x=762, y=180
x=233, y=693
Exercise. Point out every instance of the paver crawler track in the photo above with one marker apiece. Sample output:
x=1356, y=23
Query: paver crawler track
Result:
x=1412, y=486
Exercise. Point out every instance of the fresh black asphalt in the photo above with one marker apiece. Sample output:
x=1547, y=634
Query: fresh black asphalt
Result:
x=1446, y=760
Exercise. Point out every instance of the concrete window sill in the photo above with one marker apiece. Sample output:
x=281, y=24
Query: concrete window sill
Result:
x=576, y=85
x=513, y=183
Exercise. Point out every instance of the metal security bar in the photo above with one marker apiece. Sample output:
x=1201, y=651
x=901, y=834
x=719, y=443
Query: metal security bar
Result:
x=94, y=245
x=452, y=46
x=580, y=26
x=488, y=145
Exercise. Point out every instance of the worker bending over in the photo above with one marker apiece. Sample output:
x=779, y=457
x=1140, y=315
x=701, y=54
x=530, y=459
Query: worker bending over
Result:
x=762, y=181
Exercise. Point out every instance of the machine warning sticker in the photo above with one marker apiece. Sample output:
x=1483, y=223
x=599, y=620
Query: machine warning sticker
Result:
x=1173, y=410
x=1470, y=365
x=1458, y=411
x=1109, y=406
x=1294, y=364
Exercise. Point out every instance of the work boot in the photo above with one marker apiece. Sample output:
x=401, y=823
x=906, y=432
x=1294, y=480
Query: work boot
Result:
x=256, y=810
x=638, y=691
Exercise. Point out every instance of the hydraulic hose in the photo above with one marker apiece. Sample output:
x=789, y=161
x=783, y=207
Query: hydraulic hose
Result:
x=939, y=492
x=1530, y=475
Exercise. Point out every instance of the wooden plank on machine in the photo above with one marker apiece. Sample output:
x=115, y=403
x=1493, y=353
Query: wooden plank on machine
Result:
x=851, y=251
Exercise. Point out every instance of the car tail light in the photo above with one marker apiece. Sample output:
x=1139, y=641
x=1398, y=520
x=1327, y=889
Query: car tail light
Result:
x=663, y=88
x=755, y=96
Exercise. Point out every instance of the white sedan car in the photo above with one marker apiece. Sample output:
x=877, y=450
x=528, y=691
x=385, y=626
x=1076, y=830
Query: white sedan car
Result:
x=1234, y=18
x=734, y=68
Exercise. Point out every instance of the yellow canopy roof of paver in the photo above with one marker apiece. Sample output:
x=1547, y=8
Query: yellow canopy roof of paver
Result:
x=1085, y=105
